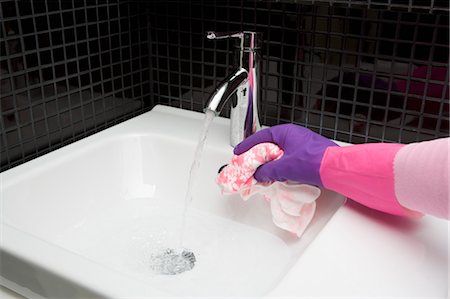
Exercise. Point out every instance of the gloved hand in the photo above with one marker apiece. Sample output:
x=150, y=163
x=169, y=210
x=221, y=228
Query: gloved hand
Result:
x=303, y=153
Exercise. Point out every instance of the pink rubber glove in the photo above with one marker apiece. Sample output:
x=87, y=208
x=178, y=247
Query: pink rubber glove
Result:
x=364, y=172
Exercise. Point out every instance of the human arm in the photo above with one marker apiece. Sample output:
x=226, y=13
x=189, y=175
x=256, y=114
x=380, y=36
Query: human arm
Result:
x=375, y=175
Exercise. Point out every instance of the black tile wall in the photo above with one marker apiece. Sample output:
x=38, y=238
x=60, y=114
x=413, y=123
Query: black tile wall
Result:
x=399, y=5
x=349, y=72
x=356, y=71
x=69, y=69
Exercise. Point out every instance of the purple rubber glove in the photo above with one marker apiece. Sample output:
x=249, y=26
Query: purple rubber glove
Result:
x=303, y=153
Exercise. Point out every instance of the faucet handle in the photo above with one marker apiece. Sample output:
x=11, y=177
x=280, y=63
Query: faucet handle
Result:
x=223, y=35
x=249, y=40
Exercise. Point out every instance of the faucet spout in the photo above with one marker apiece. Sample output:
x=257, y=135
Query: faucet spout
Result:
x=242, y=87
x=225, y=90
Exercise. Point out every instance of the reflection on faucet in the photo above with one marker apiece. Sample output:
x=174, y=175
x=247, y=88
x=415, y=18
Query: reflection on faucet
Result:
x=226, y=89
x=242, y=87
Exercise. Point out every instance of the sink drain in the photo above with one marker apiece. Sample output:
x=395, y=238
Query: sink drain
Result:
x=171, y=262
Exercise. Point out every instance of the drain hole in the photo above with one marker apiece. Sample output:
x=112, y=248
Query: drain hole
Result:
x=170, y=262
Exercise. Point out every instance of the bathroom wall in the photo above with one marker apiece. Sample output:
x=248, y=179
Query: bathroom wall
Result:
x=356, y=71
x=343, y=70
x=69, y=69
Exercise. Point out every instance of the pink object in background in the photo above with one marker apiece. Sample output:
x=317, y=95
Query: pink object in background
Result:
x=292, y=205
x=418, y=88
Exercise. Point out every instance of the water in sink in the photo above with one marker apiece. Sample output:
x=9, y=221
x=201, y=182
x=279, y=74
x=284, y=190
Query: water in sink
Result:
x=234, y=259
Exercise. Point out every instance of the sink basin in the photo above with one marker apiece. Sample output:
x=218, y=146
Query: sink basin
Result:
x=81, y=221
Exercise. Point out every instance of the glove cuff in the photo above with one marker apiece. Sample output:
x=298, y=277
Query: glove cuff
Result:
x=364, y=173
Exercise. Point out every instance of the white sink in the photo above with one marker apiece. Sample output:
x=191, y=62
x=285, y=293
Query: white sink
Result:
x=80, y=222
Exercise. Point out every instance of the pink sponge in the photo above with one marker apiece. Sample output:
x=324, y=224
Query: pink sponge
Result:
x=292, y=205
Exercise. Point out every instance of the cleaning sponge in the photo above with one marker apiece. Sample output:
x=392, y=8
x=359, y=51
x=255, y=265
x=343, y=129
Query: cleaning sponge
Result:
x=292, y=205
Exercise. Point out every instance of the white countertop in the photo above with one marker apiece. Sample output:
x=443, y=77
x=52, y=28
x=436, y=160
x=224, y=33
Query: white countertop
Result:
x=362, y=253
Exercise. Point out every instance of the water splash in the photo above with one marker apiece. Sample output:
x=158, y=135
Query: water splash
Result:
x=170, y=262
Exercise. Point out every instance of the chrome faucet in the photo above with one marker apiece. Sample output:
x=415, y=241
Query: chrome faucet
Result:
x=241, y=87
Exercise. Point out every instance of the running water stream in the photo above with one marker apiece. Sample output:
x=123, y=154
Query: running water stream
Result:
x=209, y=116
x=178, y=260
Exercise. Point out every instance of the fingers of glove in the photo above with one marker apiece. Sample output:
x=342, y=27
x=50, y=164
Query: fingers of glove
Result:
x=264, y=135
x=269, y=172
